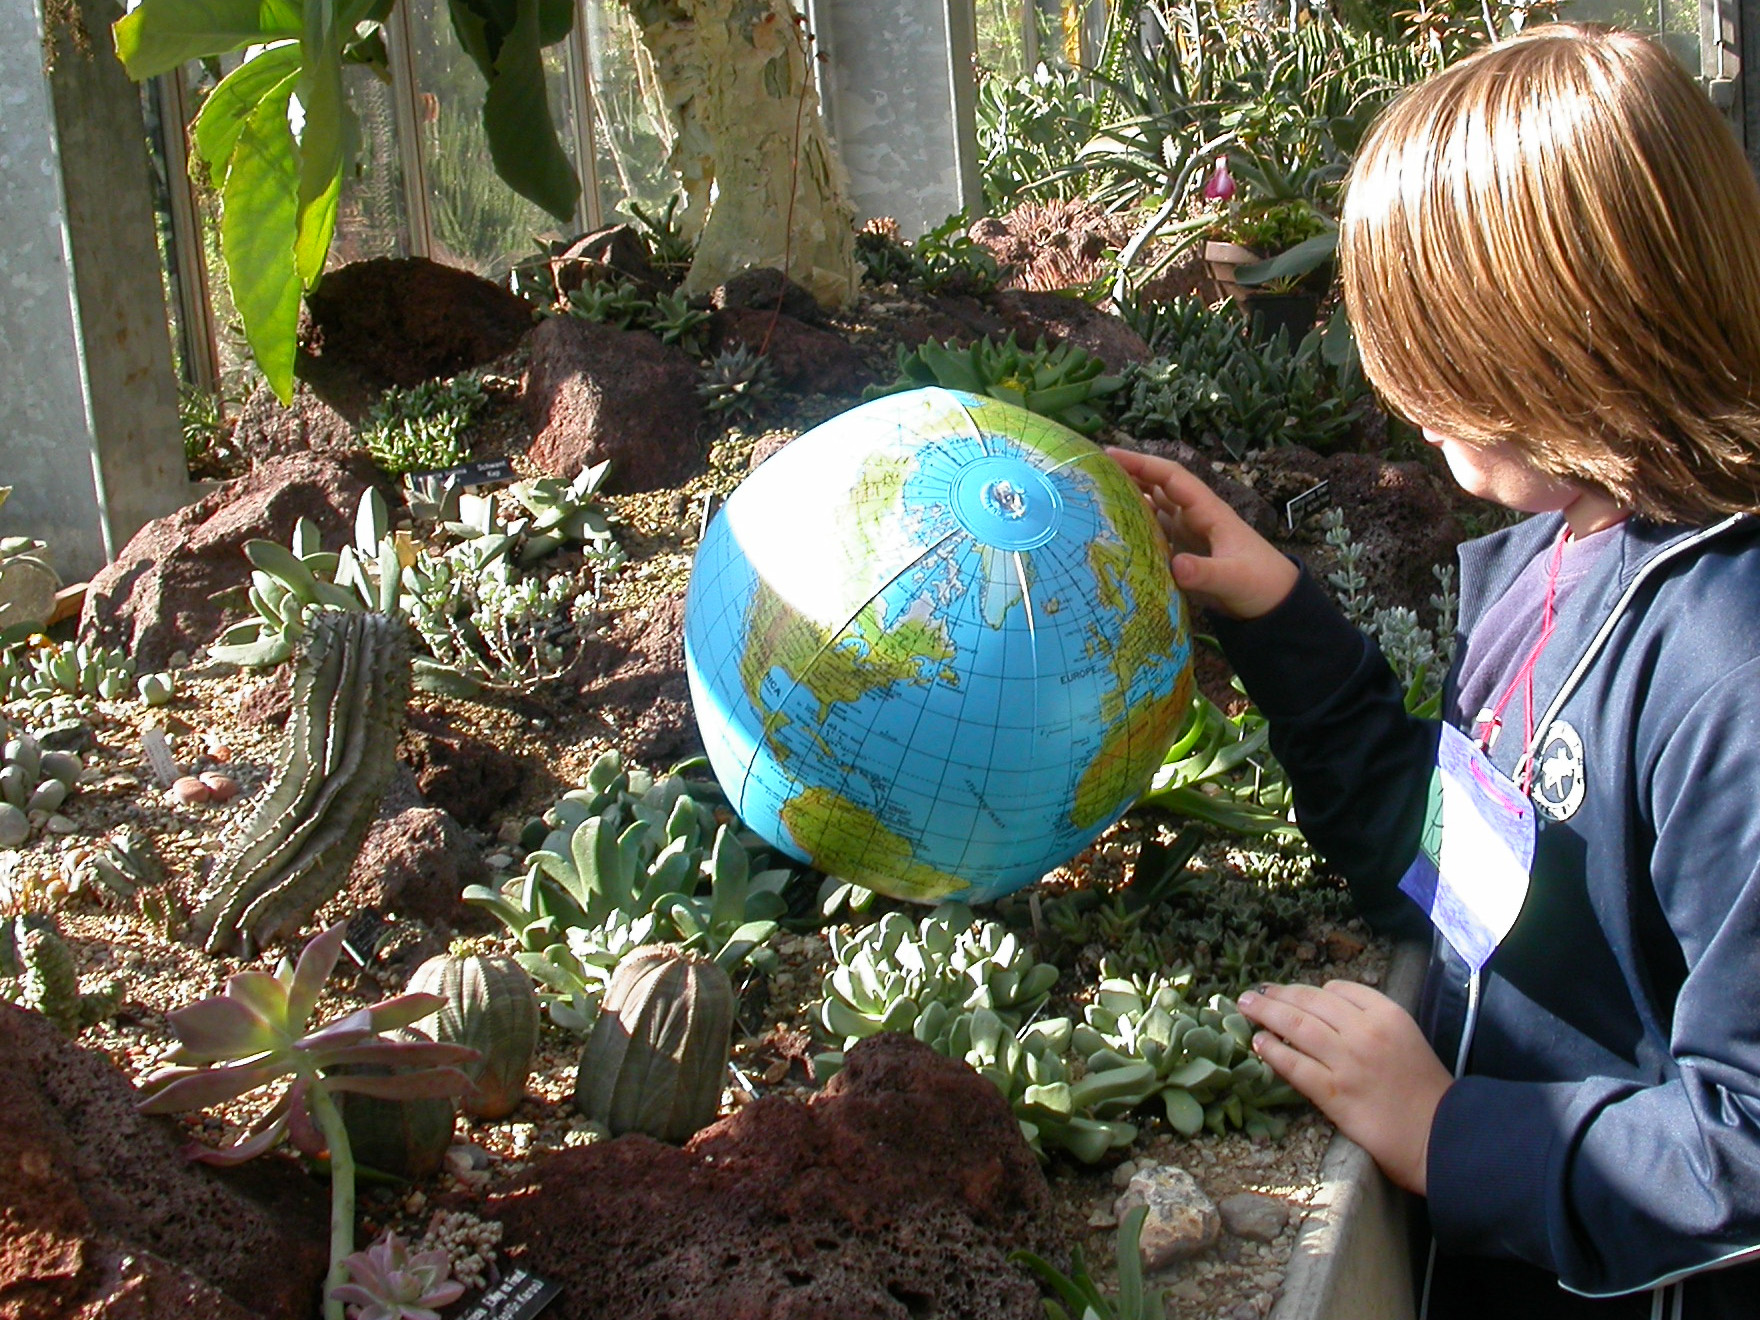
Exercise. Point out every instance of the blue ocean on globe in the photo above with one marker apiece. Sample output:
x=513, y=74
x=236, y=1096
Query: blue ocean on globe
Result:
x=934, y=647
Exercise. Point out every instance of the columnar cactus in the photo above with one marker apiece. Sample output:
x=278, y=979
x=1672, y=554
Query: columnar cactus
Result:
x=337, y=758
x=491, y=1007
x=37, y=971
x=659, y=1050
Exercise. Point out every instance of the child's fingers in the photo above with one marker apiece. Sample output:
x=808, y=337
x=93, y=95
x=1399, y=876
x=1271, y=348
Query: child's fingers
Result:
x=1295, y=1011
x=1302, y=1071
x=1364, y=997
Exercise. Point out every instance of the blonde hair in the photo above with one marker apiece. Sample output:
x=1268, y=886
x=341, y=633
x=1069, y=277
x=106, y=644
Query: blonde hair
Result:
x=1556, y=244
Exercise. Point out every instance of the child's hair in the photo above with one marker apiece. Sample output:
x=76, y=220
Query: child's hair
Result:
x=1556, y=244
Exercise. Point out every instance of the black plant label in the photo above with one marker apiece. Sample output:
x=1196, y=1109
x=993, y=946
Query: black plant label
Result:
x=519, y=1295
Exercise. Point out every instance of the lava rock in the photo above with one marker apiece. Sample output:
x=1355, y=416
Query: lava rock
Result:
x=897, y=1192
x=1061, y=318
x=805, y=358
x=416, y=861
x=594, y=392
x=101, y=1214
x=634, y=681
x=467, y=777
x=268, y=429
x=403, y=320
x=766, y=289
x=183, y=577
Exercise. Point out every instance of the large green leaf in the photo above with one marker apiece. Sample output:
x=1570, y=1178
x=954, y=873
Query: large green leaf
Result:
x=516, y=118
x=259, y=223
x=161, y=34
x=215, y=130
x=322, y=139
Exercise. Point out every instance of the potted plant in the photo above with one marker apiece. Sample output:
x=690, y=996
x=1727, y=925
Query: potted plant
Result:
x=1268, y=253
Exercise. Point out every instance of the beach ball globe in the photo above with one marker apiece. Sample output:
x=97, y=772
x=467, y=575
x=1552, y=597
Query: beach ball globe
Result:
x=934, y=646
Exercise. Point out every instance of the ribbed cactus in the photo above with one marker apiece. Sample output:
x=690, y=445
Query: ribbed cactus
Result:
x=337, y=758
x=407, y=1138
x=37, y=971
x=491, y=1007
x=659, y=1050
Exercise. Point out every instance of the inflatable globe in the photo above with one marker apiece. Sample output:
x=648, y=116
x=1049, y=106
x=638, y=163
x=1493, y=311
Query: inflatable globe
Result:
x=934, y=646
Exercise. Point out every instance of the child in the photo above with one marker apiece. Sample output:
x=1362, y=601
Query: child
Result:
x=1551, y=258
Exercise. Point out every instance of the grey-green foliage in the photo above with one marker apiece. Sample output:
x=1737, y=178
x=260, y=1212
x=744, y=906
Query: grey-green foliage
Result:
x=887, y=972
x=121, y=865
x=483, y=614
x=423, y=426
x=1028, y=128
x=737, y=383
x=1420, y=656
x=631, y=860
x=40, y=673
x=968, y=989
x=1205, y=1072
x=37, y=971
x=337, y=757
x=33, y=785
x=1065, y=383
x=1213, y=387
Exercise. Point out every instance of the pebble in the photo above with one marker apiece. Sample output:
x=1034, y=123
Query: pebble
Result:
x=1253, y=1216
x=188, y=790
x=1182, y=1221
x=59, y=824
x=221, y=788
x=498, y=861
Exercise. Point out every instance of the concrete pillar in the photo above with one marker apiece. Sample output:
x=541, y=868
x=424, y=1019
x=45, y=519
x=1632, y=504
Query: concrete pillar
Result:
x=89, y=439
x=899, y=93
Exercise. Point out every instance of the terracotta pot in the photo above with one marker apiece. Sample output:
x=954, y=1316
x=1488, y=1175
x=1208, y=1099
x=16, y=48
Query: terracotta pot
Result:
x=1221, y=260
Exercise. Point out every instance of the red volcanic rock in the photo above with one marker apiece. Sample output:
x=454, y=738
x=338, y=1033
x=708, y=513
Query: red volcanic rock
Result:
x=468, y=777
x=159, y=594
x=594, y=392
x=898, y=1192
x=633, y=679
x=805, y=358
x=102, y=1216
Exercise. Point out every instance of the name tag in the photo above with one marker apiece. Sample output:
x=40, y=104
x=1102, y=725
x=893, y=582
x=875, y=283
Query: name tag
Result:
x=1471, y=872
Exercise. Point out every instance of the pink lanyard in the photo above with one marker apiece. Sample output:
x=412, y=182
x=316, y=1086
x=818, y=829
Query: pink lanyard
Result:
x=1524, y=679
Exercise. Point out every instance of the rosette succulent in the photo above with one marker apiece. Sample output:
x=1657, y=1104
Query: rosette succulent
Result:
x=387, y=1283
x=259, y=1030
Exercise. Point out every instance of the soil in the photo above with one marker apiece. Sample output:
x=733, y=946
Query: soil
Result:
x=555, y=738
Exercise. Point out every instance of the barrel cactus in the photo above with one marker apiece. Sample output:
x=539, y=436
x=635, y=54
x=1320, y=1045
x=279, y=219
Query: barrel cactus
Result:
x=407, y=1137
x=659, y=1050
x=491, y=1007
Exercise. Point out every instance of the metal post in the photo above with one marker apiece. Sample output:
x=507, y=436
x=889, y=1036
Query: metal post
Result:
x=399, y=54
x=195, y=318
x=579, y=61
x=1719, y=58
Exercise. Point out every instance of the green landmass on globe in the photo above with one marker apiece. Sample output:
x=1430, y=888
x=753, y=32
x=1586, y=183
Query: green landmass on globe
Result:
x=934, y=647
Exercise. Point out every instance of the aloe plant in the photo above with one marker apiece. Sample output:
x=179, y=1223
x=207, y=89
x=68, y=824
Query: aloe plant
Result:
x=259, y=1030
x=1080, y=1298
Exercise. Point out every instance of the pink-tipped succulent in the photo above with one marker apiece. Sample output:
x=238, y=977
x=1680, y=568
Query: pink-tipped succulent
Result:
x=387, y=1283
x=258, y=1031
x=1219, y=186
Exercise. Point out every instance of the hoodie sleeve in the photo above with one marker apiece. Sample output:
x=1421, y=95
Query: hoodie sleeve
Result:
x=1358, y=765
x=1619, y=1184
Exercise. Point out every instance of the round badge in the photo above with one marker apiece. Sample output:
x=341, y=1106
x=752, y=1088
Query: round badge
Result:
x=1558, y=772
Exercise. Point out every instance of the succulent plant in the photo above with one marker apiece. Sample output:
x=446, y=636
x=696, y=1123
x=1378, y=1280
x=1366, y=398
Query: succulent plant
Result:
x=117, y=866
x=423, y=426
x=259, y=1030
x=675, y=321
x=43, y=670
x=487, y=1004
x=889, y=972
x=482, y=623
x=624, y=861
x=1061, y=383
x=34, y=784
x=337, y=757
x=37, y=971
x=615, y=302
x=1220, y=771
x=1205, y=1072
x=738, y=383
x=386, y=1282
x=659, y=1050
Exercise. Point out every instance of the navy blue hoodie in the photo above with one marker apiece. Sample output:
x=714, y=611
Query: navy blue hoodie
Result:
x=1605, y=1134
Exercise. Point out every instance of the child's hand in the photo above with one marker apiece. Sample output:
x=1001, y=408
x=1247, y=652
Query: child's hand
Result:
x=1217, y=557
x=1362, y=1061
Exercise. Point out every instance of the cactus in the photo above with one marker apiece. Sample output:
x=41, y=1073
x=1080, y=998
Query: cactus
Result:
x=406, y=1136
x=336, y=761
x=660, y=1048
x=737, y=383
x=37, y=971
x=489, y=1006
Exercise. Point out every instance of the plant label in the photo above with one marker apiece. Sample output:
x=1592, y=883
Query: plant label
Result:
x=483, y=472
x=519, y=1296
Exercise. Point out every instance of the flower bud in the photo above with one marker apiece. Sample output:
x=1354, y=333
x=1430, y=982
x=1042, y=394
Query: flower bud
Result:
x=1219, y=187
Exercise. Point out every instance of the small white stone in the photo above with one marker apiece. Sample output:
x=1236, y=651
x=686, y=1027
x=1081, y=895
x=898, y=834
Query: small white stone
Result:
x=59, y=824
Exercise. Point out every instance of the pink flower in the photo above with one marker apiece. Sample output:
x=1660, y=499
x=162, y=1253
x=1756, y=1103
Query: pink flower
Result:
x=1219, y=187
